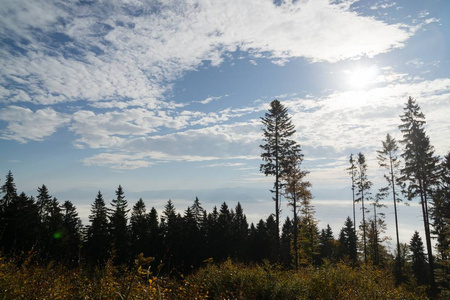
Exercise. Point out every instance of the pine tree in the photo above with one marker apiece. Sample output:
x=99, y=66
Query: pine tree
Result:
x=98, y=239
x=139, y=230
x=327, y=245
x=118, y=226
x=9, y=190
x=278, y=146
x=154, y=244
x=389, y=160
x=419, y=172
x=419, y=263
x=308, y=234
x=71, y=234
x=240, y=233
x=363, y=192
x=296, y=190
x=10, y=195
x=348, y=242
x=286, y=241
x=352, y=171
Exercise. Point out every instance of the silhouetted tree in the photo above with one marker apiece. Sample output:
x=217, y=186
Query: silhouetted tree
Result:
x=419, y=172
x=139, y=229
x=327, y=245
x=9, y=191
x=363, y=185
x=278, y=146
x=118, y=227
x=352, y=171
x=71, y=234
x=98, y=240
x=348, y=242
x=286, y=257
x=296, y=190
x=419, y=263
x=239, y=231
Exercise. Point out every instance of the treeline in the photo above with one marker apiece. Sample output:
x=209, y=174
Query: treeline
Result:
x=178, y=241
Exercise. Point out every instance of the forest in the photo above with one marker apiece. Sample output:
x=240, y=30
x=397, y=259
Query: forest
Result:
x=130, y=251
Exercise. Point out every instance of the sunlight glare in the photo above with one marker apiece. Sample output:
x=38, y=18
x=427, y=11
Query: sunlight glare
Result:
x=362, y=77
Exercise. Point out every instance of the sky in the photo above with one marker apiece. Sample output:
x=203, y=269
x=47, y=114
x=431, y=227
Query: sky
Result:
x=165, y=97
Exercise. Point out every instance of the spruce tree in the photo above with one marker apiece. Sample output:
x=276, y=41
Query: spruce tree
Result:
x=71, y=234
x=363, y=185
x=352, y=172
x=419, y=171
x=139, y=229
x=296, y=190
x=348, y=242
x=118, y=226
x=98, y=239
x=417, y=256
x=388, y=159
x=239, y=233
x=327, y=245
x=9, y=191
x=277, y=148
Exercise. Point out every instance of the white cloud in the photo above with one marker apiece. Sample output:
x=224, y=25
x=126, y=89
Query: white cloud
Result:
x=25, y=125
x=104, y=53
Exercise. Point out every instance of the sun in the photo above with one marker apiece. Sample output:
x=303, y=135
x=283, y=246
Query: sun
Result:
x=361, y=77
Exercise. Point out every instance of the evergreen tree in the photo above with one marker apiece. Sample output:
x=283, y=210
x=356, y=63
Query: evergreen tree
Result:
x=308, y=234
x=71, y=234
x=352, y=171
x=327, y=245
x=9, y=190
x=363, y=192
x=118, y=227
x=440, y=212
x=139, y=230
x=98, y=240
x=20, y=224
x=278, y=146
x=240, y=233
x=296, y=190
x=43, y=202
x=419, y=172
x=286, y=241
x=54, y=231
x=419, y=263
x=348, y=242
x=10, y=194
x=389, y=160
x=154, y=243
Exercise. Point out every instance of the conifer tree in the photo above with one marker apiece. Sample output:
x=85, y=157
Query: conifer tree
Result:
x=440, y=212
x=348, y=242
x=240, y=233
x=286, y=241
x=352, y=171
x=154, y=243
x=419, y=171
x=9, y=191
x=388, y=159
x=71, y=234
x=296, y=190
x=419, y=263
x=98, y=239
x=327, y=246
x=139, y=229
x=308, y=234
x=278, y=146
x=363, y=185
x=118, y=226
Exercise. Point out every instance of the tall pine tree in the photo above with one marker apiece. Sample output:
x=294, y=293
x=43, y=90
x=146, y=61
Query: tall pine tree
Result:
x=419, y=172
x=98, y=244
x=363, y=185
x=277, y=148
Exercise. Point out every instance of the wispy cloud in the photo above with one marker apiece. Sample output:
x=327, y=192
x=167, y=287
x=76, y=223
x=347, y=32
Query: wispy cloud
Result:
x=102, y=52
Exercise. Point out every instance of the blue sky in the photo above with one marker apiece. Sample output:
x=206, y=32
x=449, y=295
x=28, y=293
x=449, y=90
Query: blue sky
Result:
x=164, y=97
